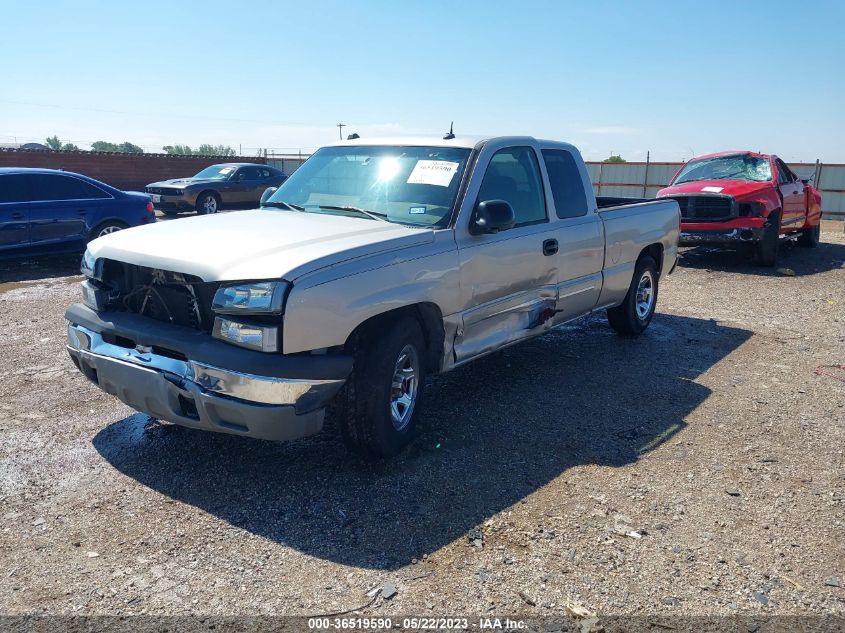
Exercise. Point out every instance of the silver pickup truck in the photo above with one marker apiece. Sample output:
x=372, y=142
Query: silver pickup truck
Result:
x=377, y=263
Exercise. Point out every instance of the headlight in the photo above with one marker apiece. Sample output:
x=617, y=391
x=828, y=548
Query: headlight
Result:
x=88, y=267
x=262, y=338
x=266, y=297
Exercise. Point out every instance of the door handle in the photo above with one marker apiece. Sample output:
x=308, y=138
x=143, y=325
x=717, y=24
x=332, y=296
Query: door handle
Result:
x=82, y=212
x=549, y=247
x=17, y=216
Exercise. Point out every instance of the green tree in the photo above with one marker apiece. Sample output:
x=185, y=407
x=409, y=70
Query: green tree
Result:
x=129, y=148
x=104, y=146
x=69, y=147
x=125, y=148
x=53, y=142
x=178, y=149
x=214, y=150
x=614, y=158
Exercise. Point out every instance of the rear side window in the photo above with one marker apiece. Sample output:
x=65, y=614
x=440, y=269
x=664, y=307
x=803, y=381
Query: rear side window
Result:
x=514, y=176
x=13, y=188
x=565, y=181
x=55, y=187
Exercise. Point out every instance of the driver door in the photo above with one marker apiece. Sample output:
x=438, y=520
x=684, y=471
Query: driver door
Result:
x=792, y=192
x=508, y=278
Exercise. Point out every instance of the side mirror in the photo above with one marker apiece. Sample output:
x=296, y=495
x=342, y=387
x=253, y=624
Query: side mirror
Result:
x=807, y=179
x=492, y=216
x=269, y=191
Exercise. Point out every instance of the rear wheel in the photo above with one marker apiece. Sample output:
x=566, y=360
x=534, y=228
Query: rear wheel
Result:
x=809, y=238
x=766, y=250
x=106, y=228
x=378, y=409
x=207, y=202
x=632, y=317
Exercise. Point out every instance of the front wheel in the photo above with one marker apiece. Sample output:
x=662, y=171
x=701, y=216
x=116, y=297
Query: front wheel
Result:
x=207, y=203
x=378, y=409
x=809, y=238
x=632, y=317
x=766, y=250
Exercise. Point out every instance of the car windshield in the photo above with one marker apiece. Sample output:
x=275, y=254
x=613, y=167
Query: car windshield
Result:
x=734, y=167
x=216, y=172
x=406, y=185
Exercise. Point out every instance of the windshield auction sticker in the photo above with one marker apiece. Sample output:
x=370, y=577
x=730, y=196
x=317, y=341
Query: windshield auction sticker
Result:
x=433, y=172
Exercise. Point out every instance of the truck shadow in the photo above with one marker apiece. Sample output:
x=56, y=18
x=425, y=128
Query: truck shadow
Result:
x=802, y=261
x=497, y=430
x=39, y=267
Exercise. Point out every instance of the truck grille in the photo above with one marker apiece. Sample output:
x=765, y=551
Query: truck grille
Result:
x=706, y=208
x=163, y=295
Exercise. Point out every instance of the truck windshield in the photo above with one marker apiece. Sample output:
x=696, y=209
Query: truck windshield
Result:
x=733, y=167
x=406, y=185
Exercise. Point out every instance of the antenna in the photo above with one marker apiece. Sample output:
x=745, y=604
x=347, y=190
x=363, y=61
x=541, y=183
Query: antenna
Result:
x=450, y=134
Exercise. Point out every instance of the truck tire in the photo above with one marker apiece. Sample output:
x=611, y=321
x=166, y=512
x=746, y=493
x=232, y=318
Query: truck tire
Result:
x=208, y=202
x=809, y=238
x=766, y=250
x=633, y=315
x=378, y=408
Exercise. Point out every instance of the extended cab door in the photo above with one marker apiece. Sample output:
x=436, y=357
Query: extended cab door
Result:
x=508, y=279
x=579, y=232
x=792, y=191
x=14, y=211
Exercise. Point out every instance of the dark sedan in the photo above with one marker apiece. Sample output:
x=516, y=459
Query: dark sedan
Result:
x=51, y=211
x=229, y=184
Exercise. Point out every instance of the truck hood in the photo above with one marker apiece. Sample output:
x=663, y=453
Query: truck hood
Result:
x=258, y=244
x=184, y=182
x=735, y=188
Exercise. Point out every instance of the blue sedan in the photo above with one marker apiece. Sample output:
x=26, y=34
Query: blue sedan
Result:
x=52, y=211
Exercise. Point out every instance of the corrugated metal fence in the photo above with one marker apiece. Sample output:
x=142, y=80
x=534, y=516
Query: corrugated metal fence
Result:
x=643, y=180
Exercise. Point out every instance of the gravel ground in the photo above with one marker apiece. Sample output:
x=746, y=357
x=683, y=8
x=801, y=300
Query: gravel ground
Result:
x=697, y=470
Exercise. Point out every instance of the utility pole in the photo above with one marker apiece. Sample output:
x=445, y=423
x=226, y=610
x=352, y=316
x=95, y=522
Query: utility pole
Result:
x=340, y=127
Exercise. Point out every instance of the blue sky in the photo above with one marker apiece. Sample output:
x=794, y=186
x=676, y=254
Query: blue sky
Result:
x=676, y=78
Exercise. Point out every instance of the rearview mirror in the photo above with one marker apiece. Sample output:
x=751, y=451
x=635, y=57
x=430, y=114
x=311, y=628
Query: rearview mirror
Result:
x=269, y=191
x=492, y=216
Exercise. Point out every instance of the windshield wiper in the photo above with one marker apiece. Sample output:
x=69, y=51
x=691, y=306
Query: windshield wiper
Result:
x=283, y=205
x=373, y=215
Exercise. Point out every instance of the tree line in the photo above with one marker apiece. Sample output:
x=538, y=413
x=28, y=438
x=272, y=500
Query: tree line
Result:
x=206, y=149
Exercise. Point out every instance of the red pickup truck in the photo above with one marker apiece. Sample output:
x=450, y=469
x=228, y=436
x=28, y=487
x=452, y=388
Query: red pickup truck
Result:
x=744, y=197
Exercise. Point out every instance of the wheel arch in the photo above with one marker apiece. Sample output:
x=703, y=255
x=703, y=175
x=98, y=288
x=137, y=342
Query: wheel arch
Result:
x=655, y=251
x=426, y=313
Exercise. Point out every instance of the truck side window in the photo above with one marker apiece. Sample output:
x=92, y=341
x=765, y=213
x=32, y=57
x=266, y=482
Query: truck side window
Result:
x=566, y=184
x=513, y=175
x=784, y=175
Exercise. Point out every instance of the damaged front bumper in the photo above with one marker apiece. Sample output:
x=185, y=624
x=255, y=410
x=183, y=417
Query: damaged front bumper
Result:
x=736, y=231
x=154, y=372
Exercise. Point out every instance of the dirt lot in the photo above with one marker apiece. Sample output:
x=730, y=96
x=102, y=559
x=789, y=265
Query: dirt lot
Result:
x=696, y=470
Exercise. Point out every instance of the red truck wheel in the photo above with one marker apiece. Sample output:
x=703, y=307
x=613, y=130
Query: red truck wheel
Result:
x=766, y=250
x=809, y=238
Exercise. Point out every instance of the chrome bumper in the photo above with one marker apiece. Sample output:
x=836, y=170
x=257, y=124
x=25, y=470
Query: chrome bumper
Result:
x=200, y=395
